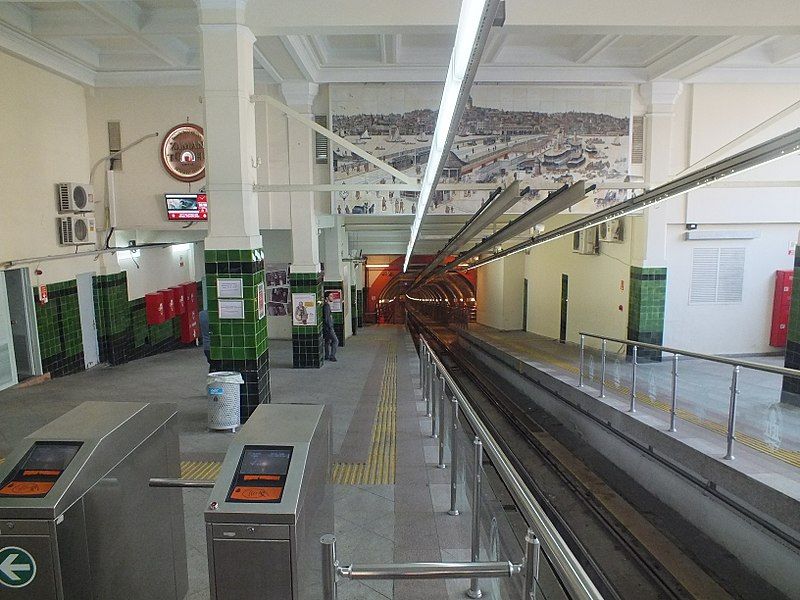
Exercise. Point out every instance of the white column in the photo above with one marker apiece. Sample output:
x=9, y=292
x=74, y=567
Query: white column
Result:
x=300, y=95
x=229, y=126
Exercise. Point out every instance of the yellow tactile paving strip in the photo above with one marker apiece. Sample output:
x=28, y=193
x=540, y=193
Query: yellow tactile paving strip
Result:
x=199, y=469
x=788, y=456
x=380, y=466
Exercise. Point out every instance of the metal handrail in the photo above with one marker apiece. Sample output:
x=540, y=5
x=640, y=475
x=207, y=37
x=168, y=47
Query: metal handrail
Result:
x=569, y=570
x=711, y=357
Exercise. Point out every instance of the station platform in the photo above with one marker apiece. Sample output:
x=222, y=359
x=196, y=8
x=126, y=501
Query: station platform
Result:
x=390, y=498
x=767, y=445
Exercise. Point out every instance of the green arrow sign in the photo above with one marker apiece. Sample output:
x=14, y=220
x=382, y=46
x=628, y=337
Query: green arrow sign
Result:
x=17, y=567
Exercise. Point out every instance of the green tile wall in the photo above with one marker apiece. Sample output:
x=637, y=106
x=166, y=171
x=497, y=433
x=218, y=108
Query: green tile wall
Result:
x=338, y=317
x=354, y=308
x=360, y=295
x=646, y=304
x=59, y=329
x=307, y=345
x=240, y=345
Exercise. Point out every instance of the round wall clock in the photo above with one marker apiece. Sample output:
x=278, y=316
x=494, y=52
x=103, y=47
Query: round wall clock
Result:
x=183, y=152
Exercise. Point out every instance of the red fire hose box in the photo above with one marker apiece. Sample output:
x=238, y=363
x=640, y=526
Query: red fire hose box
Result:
x=179, y=296
x=154, y=308
x=169, y=303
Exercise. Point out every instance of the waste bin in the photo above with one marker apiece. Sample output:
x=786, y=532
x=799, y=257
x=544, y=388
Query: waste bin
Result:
x=224, y=411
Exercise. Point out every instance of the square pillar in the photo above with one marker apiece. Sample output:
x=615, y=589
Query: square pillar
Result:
x=338, y=317
x=308, y=351
x=646, y=301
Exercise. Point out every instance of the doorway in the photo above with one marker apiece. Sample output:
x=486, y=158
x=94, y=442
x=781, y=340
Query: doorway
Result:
x=8, y=365
x=525, y=304
x=22, y=313
x=562, y=333
x=91, y=349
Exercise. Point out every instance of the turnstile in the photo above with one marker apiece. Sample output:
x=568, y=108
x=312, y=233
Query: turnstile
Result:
x=78, y=520
x=270, y=506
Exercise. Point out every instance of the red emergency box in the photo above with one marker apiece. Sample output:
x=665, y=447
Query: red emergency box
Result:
x=190, y=294
x=179, y=296
x=154, y=308
x=169, y=303
x=781, y=302
x=190, y=326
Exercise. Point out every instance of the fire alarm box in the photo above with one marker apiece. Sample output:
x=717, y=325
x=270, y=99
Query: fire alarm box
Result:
x=169, y=303
x=154, y=308
x=190, y=326
x=179, y=297
x=781, y=302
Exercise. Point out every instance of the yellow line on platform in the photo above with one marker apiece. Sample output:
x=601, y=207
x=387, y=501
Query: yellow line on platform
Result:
x=197, y=469
x=380, y=466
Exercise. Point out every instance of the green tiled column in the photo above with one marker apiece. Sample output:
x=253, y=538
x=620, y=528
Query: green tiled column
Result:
x=113, y=317
x=307, y=347
x=59, y=328
x=790, y=393
x=646, y=301
x=354, y=308
x=360, y=302
x=338, y=317
x=240, y=344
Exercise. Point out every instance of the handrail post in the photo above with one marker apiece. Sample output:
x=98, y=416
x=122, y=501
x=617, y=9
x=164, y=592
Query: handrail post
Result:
x=428, y=387
x=580, y=367
x=635, y=357
x=436, y=396
x=532, y=548
x=329, y=565
x=732, y=412
x=603, y=369
x=421, y=360
x=454, y=458
x=674, y=407
x=474, y=590
x=442, y=422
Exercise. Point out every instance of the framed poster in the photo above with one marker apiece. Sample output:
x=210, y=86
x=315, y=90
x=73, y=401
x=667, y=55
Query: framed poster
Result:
x=304, y=309
x=262, y=300
x=231, y=309
x=229, y=288
x=336, y=300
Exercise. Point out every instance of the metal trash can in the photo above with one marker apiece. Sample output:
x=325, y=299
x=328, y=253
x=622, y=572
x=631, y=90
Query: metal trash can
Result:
x=224, y=411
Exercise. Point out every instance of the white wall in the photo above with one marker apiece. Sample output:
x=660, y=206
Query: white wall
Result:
x=152, y=269
x=500, y=293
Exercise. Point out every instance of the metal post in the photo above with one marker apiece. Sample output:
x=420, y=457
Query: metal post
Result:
x=474, y=590
x=428, y=379
x=454, y=457
x=732, y=412
x=580, y=368
x=436, y=393
x=673, y=409
x=633, y=379
x=442, y=422
x=421, y=360
x=329, y=565
x=603, y=370
x=532, y=548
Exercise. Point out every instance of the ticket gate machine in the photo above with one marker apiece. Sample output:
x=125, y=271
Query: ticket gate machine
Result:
x=270, y=505
x=77, y=518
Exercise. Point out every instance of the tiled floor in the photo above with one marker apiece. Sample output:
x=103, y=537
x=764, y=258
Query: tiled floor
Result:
x=404, y=522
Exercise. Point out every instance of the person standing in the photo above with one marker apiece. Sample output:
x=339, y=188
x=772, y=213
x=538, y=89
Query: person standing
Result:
x=328, y=333
x=205, y=335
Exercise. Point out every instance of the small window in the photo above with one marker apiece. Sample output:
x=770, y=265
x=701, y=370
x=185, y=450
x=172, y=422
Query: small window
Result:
x=717, y=276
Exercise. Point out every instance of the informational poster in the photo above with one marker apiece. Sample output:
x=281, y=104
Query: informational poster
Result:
x=229, y=288
x=336, y=300
x=262, y=301
x=304, y=309
x=231, y=309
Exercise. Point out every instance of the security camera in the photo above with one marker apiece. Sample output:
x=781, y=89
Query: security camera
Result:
x=539, y=228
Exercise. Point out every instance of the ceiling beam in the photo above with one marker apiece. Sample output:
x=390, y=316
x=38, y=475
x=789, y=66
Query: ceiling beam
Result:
x=18, y=16
x=600, y=44
x=785, y=49
x=265, y=64
x=302, y=56
x=699, y=54
x=497, y=39
x=129, y=17
x=319, y=48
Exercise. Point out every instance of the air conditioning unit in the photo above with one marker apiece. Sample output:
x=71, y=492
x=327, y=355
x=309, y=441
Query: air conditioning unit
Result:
x=612, y=231
x=75, y=197
x=585, y=241
x=76, y=230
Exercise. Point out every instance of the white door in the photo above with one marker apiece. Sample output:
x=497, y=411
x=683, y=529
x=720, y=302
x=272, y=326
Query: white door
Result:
x=8, y=364
x=91, y=351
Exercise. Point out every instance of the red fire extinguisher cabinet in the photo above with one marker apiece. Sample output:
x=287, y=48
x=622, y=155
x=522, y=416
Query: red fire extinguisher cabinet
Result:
x=781, y=302
x=154, y=308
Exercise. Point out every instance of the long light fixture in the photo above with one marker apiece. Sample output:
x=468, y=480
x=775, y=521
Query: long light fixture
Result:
x=771, y=150
x=474, y=23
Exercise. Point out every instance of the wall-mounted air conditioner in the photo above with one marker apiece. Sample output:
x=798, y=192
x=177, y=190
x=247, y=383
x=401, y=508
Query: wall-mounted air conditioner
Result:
x=612, y=231
x=585, y=241
x=75, y=197
x=76, y=230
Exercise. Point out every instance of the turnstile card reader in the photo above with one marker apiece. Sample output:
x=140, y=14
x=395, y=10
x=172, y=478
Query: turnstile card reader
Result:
x=77, y=517
x=270, y=506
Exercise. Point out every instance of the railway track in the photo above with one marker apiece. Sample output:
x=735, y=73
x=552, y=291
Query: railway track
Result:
x=616, y=545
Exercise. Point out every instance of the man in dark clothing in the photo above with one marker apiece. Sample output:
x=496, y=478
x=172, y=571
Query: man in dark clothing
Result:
x=205, y=334
x=328, y=333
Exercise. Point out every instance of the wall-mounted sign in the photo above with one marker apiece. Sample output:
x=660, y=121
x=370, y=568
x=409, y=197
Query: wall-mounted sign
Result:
x=336, y=300
x=231, y=309
x=304, y=309
x=183, y=152
x=43, y=294
x=229, y=288
x=262, y=300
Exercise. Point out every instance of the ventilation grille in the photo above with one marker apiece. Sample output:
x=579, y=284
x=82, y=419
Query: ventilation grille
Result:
x=63, y=197
x=717, y=275
x=637, y=141
x=66, y=230
x=115, y=145
x=321, y=143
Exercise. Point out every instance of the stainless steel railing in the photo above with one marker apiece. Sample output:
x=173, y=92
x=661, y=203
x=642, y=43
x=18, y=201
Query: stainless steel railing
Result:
x=737, y=365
